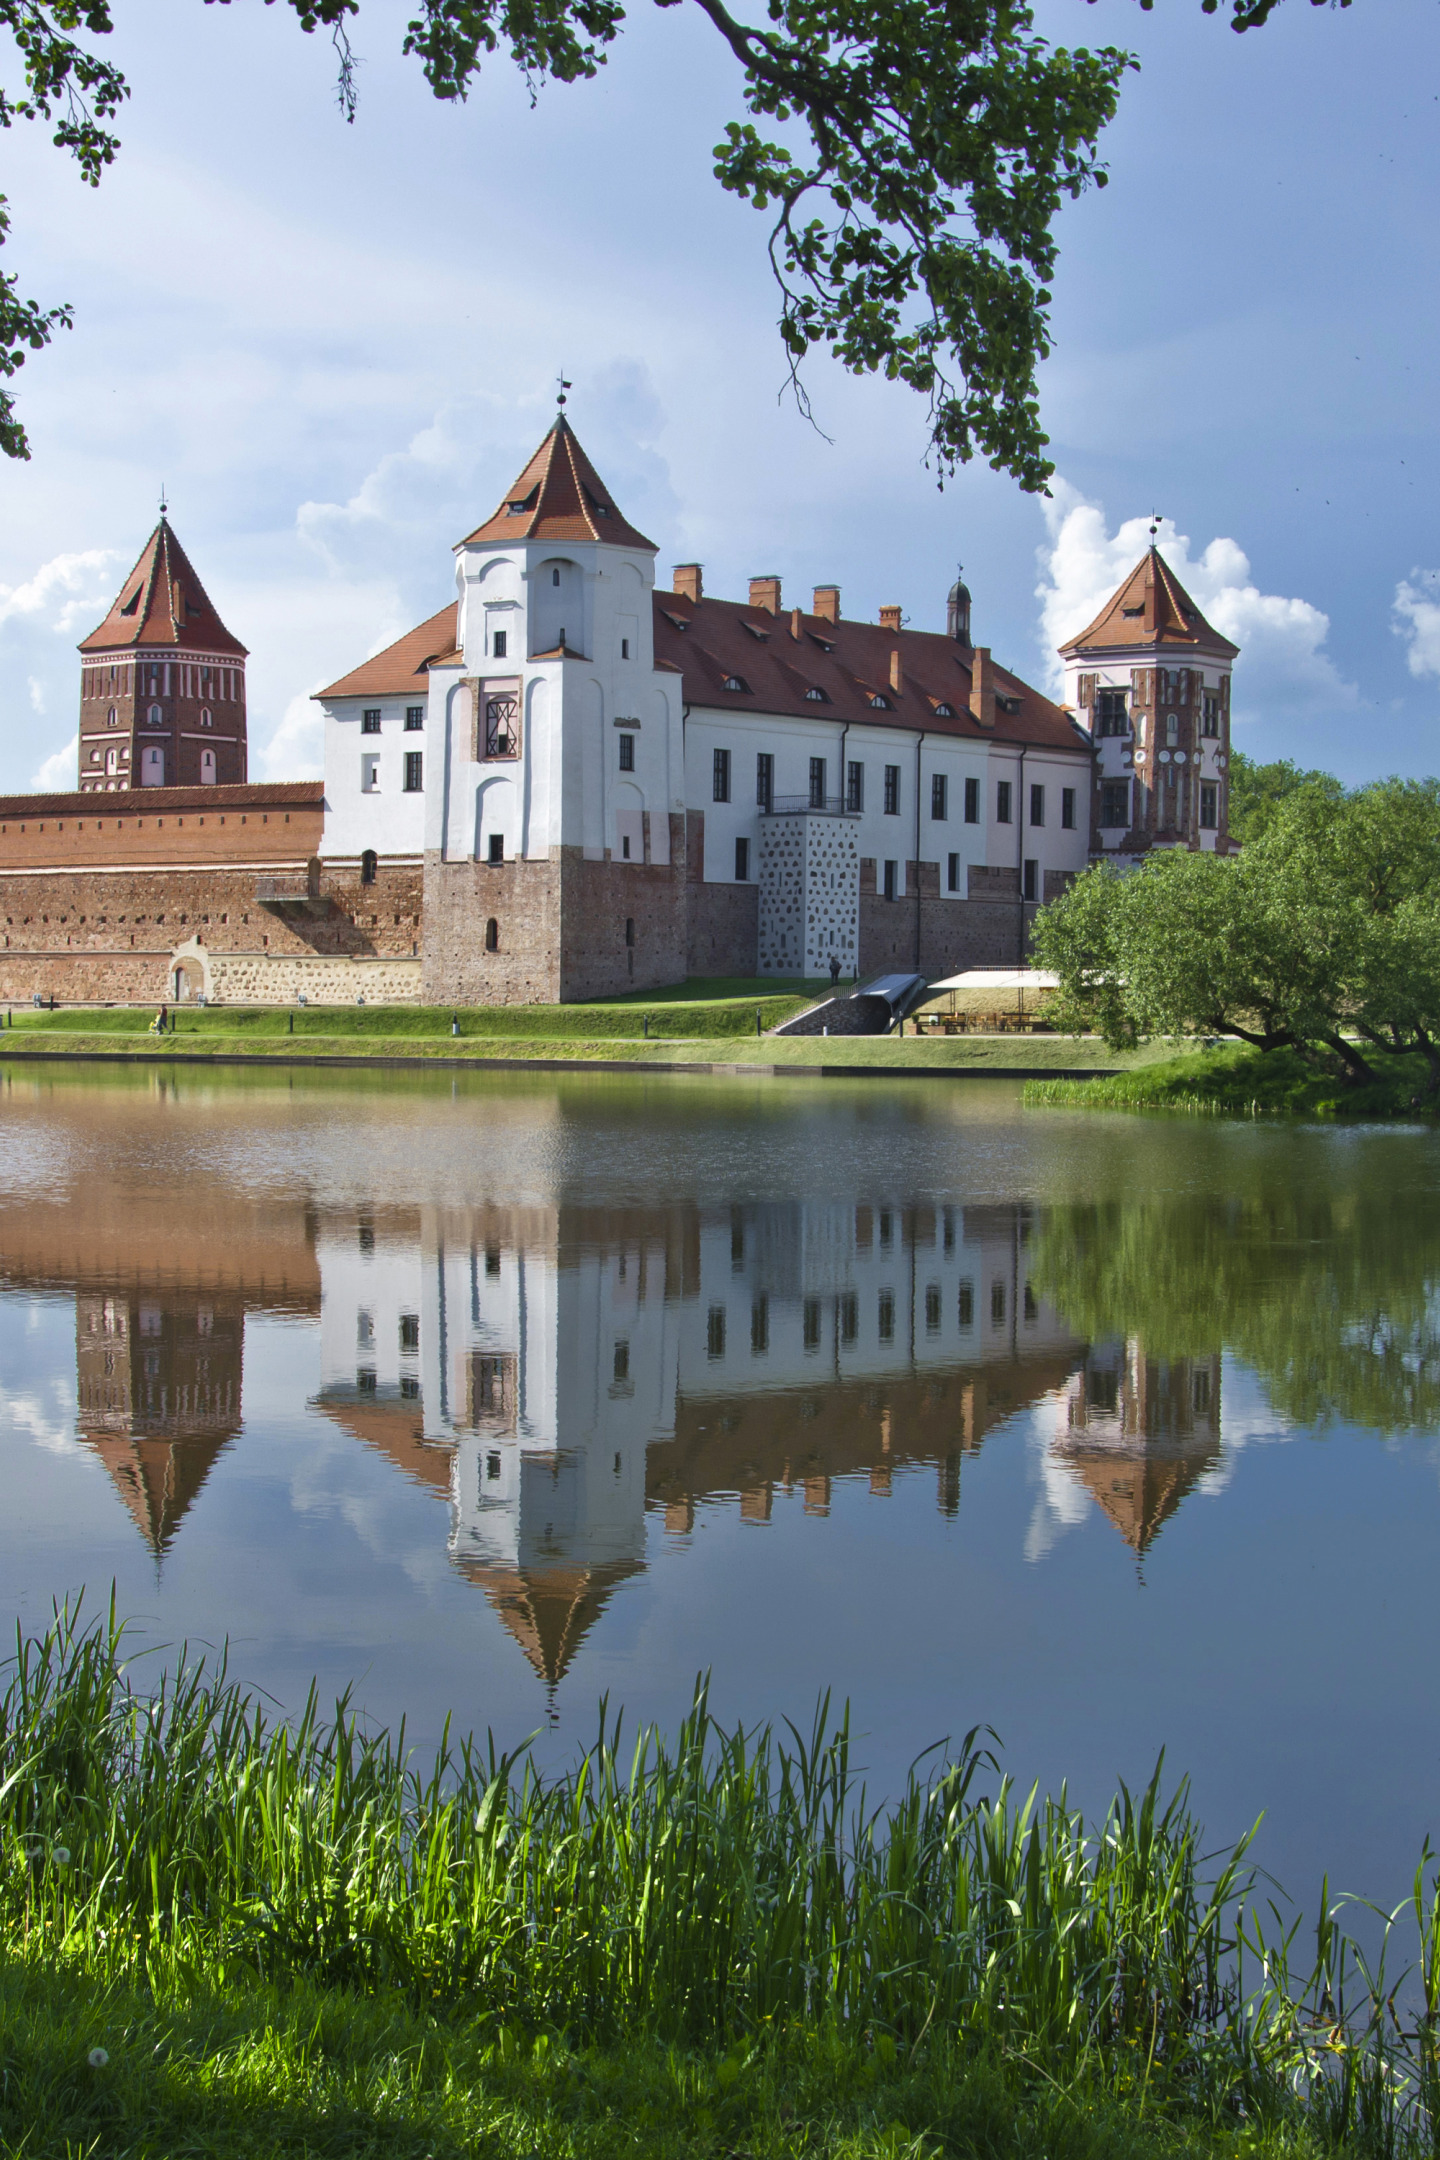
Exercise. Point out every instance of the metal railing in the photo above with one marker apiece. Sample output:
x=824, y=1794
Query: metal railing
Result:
x=822, y=805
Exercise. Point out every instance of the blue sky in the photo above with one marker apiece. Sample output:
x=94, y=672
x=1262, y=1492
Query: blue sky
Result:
x=336, y=345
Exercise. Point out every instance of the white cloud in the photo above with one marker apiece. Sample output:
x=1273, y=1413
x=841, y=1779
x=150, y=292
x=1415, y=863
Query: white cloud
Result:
x=296, y=750
x=1283, y=666
x=37, y=693
x=57, y=774
x=1416, y=609
x=79, y=583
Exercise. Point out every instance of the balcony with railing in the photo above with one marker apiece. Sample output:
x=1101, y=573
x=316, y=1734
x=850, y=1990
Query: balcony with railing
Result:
x=819, y=805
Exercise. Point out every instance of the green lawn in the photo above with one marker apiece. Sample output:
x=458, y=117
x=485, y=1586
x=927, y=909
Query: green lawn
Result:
x=1235, y=1080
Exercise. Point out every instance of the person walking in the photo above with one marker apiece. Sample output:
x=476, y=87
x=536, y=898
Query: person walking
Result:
x=834, y=972
x=158, y=1024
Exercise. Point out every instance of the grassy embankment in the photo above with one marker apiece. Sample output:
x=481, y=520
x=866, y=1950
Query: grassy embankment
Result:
x=1235, y=1080
x=694, y=1023
x=227, y=1936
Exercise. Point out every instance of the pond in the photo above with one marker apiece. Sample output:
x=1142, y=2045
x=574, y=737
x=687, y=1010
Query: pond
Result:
x=486, y=1396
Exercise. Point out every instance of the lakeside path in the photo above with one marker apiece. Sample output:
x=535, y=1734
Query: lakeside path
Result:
x=997, y=1056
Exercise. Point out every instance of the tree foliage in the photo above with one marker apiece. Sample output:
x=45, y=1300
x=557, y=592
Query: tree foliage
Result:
x=929, y=145
x=1323, y=935
x=1257, y=791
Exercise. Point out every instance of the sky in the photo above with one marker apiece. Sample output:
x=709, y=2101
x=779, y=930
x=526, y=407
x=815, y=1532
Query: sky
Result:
x=334, y=347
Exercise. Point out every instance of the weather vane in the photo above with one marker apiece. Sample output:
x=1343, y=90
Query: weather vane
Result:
x=163, y=504
x=1155, y=516
x=564, y=386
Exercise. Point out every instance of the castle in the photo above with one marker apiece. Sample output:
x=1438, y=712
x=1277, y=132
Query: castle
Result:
x=569, y=782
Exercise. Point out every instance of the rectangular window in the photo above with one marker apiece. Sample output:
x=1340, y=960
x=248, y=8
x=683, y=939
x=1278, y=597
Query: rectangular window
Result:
x=497, y=850
x=1209, y=804
x=720, y=782
x=885, y=1316
x=409, y=1332
x=1002, y=802
x=370, y=720
x=967, y=1305
x=627, y=753
x=369, y=775
x=1210, y=718
x=764, y=779
x=715, y=1332
x=624, y=648
x=952, y=874
x=997, y=1304
x=1037, y=805
x=1067, y=809
x=742, y=860
x=499, y=644
x=892, y=791
x=760, y=1327
x=972, y=802
x=854, y=786
x=811, y=1323
x=939, y=796
x=932, y=1309
x=1032, y=878
x=817, y=783
x=1110, y=716
x=502, y=723
x=891, y=872
x=849, y=1319
x=620, y=1363
x=414, y=771
x=414, y=718
x=1115, y=802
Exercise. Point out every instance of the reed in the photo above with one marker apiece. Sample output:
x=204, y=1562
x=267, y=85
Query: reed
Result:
x=701, y=1892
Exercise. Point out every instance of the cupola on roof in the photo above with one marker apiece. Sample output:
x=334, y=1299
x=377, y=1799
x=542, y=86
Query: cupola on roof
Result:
x=559, y=496
x=162, y=605
x=1151, y=608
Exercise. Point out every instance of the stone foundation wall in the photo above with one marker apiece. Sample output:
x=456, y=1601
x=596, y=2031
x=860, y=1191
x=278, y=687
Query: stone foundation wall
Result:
x=624, y=923
x=523, y=900
x=268, y=979
x=722, y=922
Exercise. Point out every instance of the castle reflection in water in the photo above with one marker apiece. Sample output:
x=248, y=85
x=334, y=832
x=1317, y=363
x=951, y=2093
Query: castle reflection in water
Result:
x=555, y=1372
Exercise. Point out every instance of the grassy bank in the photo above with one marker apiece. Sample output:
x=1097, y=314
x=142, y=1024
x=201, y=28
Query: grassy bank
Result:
x=1238, y=1081
x=288, y=1938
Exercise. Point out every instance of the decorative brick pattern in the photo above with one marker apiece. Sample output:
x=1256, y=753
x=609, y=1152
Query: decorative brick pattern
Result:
x=809, y=894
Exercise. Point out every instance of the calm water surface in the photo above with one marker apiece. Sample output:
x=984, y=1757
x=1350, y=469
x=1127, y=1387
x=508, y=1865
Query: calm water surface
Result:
x=487, y=1396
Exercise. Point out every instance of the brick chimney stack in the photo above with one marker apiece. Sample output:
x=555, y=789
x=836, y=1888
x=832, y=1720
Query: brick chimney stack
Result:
x=897, y=673
x=982, y=687
x=827, y=602
x=685, y=579
x=795, y=630
x=765, y=593
x=890, y=618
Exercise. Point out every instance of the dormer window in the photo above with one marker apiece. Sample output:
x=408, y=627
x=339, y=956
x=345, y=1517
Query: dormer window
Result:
x=944, y=712
x=816, y=697
x=1133, y=610
x=761, y=636
x=734, y=682
x=878, y=703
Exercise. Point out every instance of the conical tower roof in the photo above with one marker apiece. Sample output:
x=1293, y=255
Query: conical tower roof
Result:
x=559, y=496
x=1151, y=608
x=163, y=604
x=158, y=1480
x=550, y=1611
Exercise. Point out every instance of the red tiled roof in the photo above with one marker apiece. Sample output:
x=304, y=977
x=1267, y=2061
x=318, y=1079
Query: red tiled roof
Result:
x=1152, y=607
x=245, y=795
x=712, y=641
x=162, y=603
x=401, y=667
x=559, y=496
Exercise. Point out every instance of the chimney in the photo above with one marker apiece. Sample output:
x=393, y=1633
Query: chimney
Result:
x=982, y=687
x=897, y=673
x=765, y=593
x=827, y=602
x=685, y=579
x=795, y=630
x=890, y=618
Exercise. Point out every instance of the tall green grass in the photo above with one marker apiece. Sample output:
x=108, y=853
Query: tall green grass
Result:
x=719, y=1887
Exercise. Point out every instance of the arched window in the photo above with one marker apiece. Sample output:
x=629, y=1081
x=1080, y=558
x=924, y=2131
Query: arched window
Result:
x=369, y=864
x=492, y=935
x=205, y=720
x=629, y=929
x=155, y=716
x=112, y=717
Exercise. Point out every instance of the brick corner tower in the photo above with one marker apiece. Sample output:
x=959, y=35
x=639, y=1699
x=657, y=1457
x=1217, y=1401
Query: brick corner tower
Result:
x=162, y=689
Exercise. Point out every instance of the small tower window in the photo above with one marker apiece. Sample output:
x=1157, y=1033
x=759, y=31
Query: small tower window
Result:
x=499, y=641
x=624, y=648
x=205, y=719
x=629, y=930
x=155, y=717
x=370, y=720
x=492, y=935
x=554, y=577
x=369, y=864
x=627, y=753
x=112, y=718
x=496, y=856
